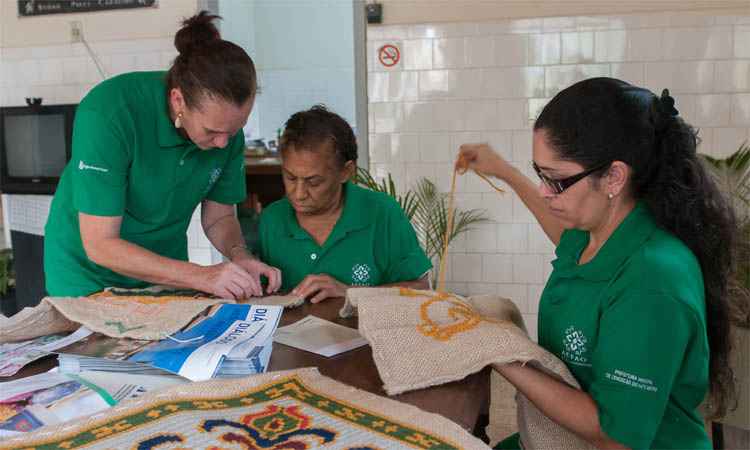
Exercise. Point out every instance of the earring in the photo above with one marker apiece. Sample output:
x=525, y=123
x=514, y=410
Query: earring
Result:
x=610, y=196
x=178, y=121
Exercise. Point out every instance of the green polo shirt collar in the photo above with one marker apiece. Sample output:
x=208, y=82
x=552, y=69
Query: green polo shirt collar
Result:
x=355, y=216
x=630, y=235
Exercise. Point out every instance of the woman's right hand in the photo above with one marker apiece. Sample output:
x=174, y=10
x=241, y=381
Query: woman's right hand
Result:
x=482, y=158
x=229, y=280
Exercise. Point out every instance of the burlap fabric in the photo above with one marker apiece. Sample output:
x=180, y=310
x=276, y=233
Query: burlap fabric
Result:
x=422, y=338
x=151, y=313
x=502, y=420
x=29, y=323
x=281, y=410
x=136, y=317
x=287, y=301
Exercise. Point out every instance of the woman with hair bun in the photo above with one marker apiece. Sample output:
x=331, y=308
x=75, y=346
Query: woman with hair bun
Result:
x=636, y=303
x=148, y=148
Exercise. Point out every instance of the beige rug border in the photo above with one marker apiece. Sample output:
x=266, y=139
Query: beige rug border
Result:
x=405, y=414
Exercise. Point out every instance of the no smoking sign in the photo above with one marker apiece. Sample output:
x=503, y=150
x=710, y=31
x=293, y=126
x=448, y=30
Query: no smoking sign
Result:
x=389, y=55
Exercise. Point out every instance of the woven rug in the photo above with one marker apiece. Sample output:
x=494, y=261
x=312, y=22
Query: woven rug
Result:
x=299, y=409
x=424, y=338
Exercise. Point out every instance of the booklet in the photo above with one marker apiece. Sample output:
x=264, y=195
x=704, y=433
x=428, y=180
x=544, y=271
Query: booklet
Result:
x=236, y=340
x=319, y=336
x=52, y=397
x=58, y=403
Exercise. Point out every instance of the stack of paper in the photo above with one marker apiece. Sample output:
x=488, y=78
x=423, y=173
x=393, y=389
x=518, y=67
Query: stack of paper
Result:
x=31, y=403
x=235, y=341
x=49, y=398
x=15, y=355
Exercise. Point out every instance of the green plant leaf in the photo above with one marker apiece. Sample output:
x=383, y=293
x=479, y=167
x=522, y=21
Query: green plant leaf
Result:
x=427, y=209
x=733, y=176
x=431, y=218
x=364, y=178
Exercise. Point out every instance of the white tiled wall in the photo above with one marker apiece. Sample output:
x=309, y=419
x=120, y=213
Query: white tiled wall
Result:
x=470, y=82
x=64, y=74
x=304, y=54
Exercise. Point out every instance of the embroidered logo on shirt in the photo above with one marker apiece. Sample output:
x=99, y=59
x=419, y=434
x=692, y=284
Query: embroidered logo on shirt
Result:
x=361, y=275
x=83, y=166
x=215, y=174
x=574, y=347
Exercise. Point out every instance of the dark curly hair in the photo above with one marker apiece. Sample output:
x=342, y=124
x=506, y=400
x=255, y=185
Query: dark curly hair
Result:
x=317, y=126
x=209, y=65
x=601, y=120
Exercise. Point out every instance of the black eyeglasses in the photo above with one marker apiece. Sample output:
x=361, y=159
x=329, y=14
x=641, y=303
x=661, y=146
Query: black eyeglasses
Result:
x=558, y=186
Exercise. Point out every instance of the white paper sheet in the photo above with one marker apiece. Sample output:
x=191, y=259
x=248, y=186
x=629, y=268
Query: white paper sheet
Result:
x=319, y=336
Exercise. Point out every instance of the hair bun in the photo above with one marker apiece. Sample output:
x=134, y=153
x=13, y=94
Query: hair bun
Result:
x=667, y=103
x=196, y=31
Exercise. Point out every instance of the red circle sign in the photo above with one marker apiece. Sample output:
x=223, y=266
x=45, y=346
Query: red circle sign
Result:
x=389, y=55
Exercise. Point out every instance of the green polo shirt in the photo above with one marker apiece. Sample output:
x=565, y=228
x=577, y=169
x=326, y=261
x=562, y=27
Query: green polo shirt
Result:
x=129, y=160
x=630, y=325
x=371, y=244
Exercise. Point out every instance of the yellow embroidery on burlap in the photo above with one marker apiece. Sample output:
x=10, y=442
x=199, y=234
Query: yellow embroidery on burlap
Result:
x=465, y=317
x=459, y=309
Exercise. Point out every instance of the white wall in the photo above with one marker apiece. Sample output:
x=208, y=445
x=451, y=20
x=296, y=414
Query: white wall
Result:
x=304, y=53
x=433, y=11
x=38, y=60
x=115, y=25
x=487, y=81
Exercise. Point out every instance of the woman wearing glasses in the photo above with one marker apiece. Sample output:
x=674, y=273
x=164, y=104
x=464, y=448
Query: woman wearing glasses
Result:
x=635, y=303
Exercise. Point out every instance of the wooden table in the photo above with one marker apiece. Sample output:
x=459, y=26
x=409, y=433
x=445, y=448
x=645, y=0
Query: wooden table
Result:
x=462, y=402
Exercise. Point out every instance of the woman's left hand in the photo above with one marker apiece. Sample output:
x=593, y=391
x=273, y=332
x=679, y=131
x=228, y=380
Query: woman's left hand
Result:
x=256, y=268
x=322, y=286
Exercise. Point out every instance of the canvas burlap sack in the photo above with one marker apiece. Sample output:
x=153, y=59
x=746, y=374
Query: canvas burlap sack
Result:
x=41, y=320
x=120, y=317
x=421, y=339
x=287, y=301
x=502, y=417
x=150, y=313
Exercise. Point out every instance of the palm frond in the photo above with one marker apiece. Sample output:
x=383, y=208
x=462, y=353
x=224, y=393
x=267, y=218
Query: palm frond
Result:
x=427, y=209
x=364, y=178
x=733, y=176
x=431, y=218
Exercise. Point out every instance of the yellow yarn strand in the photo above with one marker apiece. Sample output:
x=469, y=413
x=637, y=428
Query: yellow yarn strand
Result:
x=449, y=227
x=494, y=186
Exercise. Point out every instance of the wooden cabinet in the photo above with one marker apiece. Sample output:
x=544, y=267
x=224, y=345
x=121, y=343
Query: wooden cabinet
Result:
x=264, y=183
